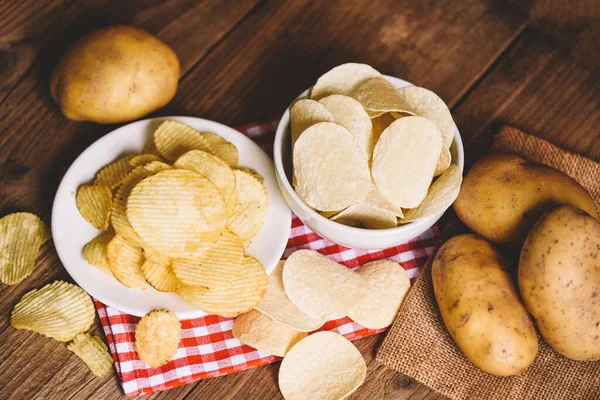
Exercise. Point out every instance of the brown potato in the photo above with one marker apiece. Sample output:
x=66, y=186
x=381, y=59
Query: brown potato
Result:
x=481, y=308
x=503, y=195
x=559, y=279
x=115, y=74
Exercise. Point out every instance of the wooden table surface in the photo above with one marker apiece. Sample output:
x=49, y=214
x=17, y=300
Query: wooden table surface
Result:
x=243, y=61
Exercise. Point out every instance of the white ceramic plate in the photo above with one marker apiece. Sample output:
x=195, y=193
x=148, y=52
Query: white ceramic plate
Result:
x=71, y=232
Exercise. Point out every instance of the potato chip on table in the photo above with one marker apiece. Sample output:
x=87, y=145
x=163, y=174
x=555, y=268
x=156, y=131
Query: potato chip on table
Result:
x=157, y=337
x=93, y=352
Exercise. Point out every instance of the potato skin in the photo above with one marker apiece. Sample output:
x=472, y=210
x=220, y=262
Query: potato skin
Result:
x=481, y=308
x=503, y=195
x=115, y=74
x=559, y=279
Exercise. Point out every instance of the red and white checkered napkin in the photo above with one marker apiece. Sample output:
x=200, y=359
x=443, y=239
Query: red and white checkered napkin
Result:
x=207, y=347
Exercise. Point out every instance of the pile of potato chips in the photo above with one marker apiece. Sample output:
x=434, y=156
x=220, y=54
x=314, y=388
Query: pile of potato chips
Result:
x=183, y=216
x=369, y=155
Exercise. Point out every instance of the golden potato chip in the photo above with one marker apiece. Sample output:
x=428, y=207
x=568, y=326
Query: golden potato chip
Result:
x=263, y=333
x=172, y=139
x=252, y=204
x=125, y=262
x=404, y=160
x=223, y=149
x=150, y=147
x=176, y=212
x=160, y=276
x=143, y=159
x=388, y=283
x=321, y=287
x=21, y=236
x=443, y=162
x=255, y=174
x=350, y=114
x=59, y=310
x=278, y=306
x=379, y=96
x=94, y=203
x=95, y=251
x=155, y=256
x=441, y=195
x=425, y=103
x=331, y=171
x=157, y=337
x=322, y=366
x=114, y=173
x=348, y=222
x=380, y=124
x=244, y=292
x=304, y=114
x=370, y=217
x=157, y=166
x=343, y=79
x=93, y=352
x=217, y=267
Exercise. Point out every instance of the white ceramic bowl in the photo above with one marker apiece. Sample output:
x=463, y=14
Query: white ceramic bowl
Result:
x=336, y=232
x=71, y=232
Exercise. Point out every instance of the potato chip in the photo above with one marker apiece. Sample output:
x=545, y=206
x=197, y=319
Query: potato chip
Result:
x=350, y=114
x=376, y=200
x=380, y=124
x=404, y=160
x=95, y=251
x=160, y=276
x=176, y=212
x=263, y=333
x=252, y=204
x=59, y=310
x=304, y=114
x=425, y=103
x=21, y=236
x=217, y=267
x=378, y=96
x=255, y=174
x=388, y=283
x=322, y=366
x=94, y=203
x=370, y=217
x=244, y=292
x=331, y=171
x=277, y=305
x=157, y=337
x=143, y=159
x=321, y=287
x=348, y=222
x=150, y=147
x=157, y=166
x=223, y=149
x=125, y=262
x=441, y=195
x=443, y=162
x=114, y=173
x=343, y=79
x=172, y=139
x=93, y=352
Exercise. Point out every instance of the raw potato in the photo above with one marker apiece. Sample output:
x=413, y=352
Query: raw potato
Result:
x=503, y=196
x=481, y=308
x=115, y=74
x=559, y=278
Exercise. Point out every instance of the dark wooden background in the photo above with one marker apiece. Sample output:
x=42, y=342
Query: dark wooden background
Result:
x=243, y=61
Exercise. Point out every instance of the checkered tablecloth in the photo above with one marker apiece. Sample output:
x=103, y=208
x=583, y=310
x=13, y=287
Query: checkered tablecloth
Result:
x=208, y=348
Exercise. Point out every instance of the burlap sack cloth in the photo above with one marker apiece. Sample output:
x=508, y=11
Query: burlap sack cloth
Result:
x=419, y=345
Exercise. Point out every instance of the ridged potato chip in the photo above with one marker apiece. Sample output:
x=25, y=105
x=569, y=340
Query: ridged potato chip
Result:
x=277, y=305
x=304, y=114
x=21, y=236
x=350, y=114
x=322, y=366
x=157, y=337
x=252, y=204
x=94, y=203
x=93, y=352
x=95, y=251
x=125, y=262
x=143, y=159
x=172, y=139
x=255, y=174
x=176, y=212
x=244, y=292
x=59, y=310
x=114, y=173
x=443, y=162
x=263, y=333
x=160, y=276
x=223, y=149
x=331, y=171
x=150, y=147
x=343, y=79
x=404, y=160
x=217, y=268
x=441, y=195
x=156, y=166
x=378, y=96
x=388, y=285
x=321, y=287
x=370, y=217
